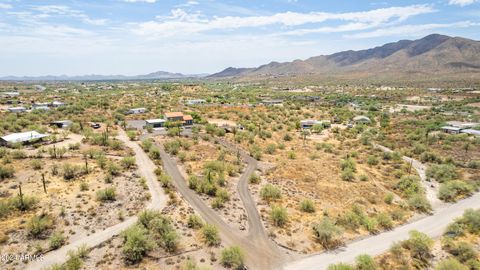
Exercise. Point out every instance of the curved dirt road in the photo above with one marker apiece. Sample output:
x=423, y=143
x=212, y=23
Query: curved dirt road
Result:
x=259, y=253
x=158, y=201
x=434, y=226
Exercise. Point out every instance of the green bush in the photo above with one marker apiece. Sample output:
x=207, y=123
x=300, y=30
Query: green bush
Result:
x=194, y=222
x=210, y=235
x=37, y=225
x=254, y=178
x=409, y=185
x=442, y=173
x=372, y=160
x=107, y=194
x=419, y=245
x=450, y=191
x=384, y=221
x=340, y=266
x=136, y=244
x=307, y=206
x=232, y=257
x=57, y=240
x=128, y=162
x=471, y=219
x=270, y=192
x=365, y=262
x=420, y=203
x=279, y=216
x=6, y=172
x=450, y=264
x=326, y=233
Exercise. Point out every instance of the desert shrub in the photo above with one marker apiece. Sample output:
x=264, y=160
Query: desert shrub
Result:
x=270, y=192
x=36, y=164
x=471, y=219
x=349, y=163
x=419, y=203
x=326, y=233
x=450, y=264
x=340, y=266
x=136, y=244
x=271, y=148
x=107, y=194
x=463, y=252
x=147, y=144
x=372, y=160
x=37, y=225
x=154, y=152
x=57, y=240
x=210, y=235
x=307, y=206
x=370, y=225
x=193, y=182
x=70, y=171
x=451, y=190
x=409, y=185
x=254, y=178
x=365, y=262
x=128, y=162
x=232, y=257
x=194, y=222
x=113, y=168
x=146, y=216
x=442, y=173
x=25, y=204
x=429, y=157
x=384, y=221
x=348, y=175
x=419, y=245
x=388, y=199
x=6, y=172
x=18, y=154
x=279, y=216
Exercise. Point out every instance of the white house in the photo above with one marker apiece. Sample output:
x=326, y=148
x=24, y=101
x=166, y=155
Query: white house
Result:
x=17, y=109
x=23, y=137
x=195, y=101
x=155, y=123
x=362, y=119
x=57, y=104
x=137, y=111
x=62, y=123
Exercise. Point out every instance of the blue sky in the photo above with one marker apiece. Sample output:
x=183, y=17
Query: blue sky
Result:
x=131, y=37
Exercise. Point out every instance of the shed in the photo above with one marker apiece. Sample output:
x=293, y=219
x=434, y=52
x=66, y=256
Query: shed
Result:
x=362, y=119
x=137, y=111
x=62, y=123
x=451, y=130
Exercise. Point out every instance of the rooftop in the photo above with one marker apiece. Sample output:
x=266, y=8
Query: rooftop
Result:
x=23, y=137
x=173, y=114
x=152, y=121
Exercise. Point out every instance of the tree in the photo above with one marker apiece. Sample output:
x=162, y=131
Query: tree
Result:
x=326, y=232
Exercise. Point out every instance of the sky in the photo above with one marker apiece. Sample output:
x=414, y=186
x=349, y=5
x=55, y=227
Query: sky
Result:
x=131, y=37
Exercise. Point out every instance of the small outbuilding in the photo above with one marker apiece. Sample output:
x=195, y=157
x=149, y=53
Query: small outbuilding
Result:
x=137, y=111
x=451, y=130
x=361, y=119
x=196, y=101
x=61, y=123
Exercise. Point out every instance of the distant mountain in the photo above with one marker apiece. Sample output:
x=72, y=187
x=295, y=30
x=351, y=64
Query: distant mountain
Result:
x=159, y=75
x=433, y=54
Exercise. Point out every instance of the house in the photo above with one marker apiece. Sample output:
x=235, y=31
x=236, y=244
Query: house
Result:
x=17, y=109
x=174, y=116
x=361, y=119
x=41, y=108
x=463, y=125
x=10, y=94
x=195, y=101
x=137, y=111
x=62, y=123
x=272, y=102
x=23, y=137
x=155, y=123
x=187, y=120
x=473, y=132
x=57, y=104
x=451, y=130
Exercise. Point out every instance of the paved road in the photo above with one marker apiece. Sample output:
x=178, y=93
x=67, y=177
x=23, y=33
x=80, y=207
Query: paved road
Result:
x=260, y=254
x=431, y=187
x=158, y=201
x=433, y=225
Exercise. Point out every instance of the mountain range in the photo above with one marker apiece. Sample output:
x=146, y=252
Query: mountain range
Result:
x=429, y=58
x=159, y=75
x=434, y=54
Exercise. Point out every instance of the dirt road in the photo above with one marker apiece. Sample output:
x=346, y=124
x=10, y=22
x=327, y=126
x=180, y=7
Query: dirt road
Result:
x=434, y=226
x=158, y=201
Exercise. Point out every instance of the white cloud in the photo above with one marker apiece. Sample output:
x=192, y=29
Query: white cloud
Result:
x=411, y=30
x=461, y=3
x=47, y=11
x=5, y=6
x=183, y=22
